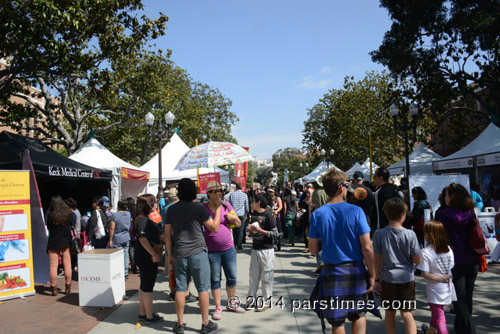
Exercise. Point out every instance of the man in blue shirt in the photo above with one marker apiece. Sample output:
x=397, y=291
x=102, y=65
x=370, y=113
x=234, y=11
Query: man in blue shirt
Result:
x=239, y=202
x=345, y=240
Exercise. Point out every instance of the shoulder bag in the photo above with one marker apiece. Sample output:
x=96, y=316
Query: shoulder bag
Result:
x=477, y=239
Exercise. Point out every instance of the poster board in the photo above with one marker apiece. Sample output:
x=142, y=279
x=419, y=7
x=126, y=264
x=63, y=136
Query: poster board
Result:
x=16, y=256
x=434, y=184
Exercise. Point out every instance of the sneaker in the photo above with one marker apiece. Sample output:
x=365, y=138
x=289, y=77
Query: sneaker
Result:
x=191, y=298
x=235, y=307
x=212, y=326
x=179, y=329
x=425, y=328
x=217, y=315
x=144, y=316
x=155, y=318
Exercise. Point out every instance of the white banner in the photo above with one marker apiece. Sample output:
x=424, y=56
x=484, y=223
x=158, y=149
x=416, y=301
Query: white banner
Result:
x=452, y=164
x=434, y=185
x=488, y=159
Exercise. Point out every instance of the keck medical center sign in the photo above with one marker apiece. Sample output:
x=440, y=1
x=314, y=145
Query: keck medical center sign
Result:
x=73, y=172
x=16, y=256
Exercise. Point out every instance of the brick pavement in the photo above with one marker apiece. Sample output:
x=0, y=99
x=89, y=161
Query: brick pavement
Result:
x=44, y=313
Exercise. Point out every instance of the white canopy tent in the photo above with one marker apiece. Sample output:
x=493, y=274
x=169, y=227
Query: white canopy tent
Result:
x=351, y=170
x=420, y=162
x=171, y=154
x=363, y=168
x=486, y=149
x=320, y=169
x=127, y=180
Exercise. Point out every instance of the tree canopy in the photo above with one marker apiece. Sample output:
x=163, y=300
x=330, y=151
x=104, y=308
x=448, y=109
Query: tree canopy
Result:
x=449, y=50
x=344, y=118
x=288, y=158
x=90, y=62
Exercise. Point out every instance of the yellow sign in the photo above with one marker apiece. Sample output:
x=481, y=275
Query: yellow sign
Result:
x=16, y=256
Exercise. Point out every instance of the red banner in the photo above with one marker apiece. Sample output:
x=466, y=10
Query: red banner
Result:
x=241, y=172
x=134, y=174
x=205, y=178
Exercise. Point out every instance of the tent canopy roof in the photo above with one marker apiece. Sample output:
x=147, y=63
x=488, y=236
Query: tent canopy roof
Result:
x=420, y=161
x=46, y=161
x=488, y=141
x=363, y=168
x=320, y=169
x=97, y=155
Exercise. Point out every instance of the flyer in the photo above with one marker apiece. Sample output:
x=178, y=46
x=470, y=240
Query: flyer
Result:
x=16, y=256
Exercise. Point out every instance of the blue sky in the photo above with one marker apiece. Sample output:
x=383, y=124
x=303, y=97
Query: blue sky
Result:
x=273, y=59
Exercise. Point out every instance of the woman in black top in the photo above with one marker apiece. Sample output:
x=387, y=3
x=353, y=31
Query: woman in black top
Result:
x=99, y=208
x=59, y=227
x=146, y=257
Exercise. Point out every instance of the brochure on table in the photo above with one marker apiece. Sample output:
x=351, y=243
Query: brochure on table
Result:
x=16, y=260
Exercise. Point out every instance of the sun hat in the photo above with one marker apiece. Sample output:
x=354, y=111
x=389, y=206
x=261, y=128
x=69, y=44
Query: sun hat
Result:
x=213, y=185
x=172, y=194
x=319, y=179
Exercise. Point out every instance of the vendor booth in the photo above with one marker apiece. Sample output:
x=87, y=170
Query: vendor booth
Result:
x=420, y=162
x=320, y=169
x=127, y=180
x=363, y=168
x=480, y=159
x=55, y=173
x=171, y=153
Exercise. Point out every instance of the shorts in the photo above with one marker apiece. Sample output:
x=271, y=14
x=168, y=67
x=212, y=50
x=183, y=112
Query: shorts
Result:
x=351, y=318
x=149, y=271
x=196, y=266
x=398, y=296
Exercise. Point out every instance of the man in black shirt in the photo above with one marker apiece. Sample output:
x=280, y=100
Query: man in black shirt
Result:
x=384, y=192
x=363, y=196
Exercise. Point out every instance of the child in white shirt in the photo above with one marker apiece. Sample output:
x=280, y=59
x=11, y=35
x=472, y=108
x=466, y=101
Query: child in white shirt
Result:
x=436, y=264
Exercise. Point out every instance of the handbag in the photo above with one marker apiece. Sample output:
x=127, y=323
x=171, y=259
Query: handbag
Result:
x=74, y=243
x=477, y=238
x=99, y=231
x=483, y=264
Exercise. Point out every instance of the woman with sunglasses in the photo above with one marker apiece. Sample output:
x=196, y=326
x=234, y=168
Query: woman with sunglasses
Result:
x=221, y=251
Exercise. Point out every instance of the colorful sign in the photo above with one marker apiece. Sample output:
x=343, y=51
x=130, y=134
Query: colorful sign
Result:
x=205, y=178
x=16, y=258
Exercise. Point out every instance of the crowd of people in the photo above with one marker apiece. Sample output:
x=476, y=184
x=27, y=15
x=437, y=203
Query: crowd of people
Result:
x=364, y=238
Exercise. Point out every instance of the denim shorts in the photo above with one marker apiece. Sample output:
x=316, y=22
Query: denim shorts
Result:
x=196, y=266
x=226, y=259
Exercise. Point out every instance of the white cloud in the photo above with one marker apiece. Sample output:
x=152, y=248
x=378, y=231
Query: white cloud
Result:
x=326, y=69
x=314, y=84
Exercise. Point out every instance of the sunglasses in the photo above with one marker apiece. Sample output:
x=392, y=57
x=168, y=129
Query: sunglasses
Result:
x=345, y=185
x=215, y=191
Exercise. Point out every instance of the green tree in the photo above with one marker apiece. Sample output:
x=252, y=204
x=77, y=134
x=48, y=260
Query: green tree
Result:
x=449, y=51
x=288, y=158
x=63, y=48
x=343, y=120
x=263, y=176
x=151, y=82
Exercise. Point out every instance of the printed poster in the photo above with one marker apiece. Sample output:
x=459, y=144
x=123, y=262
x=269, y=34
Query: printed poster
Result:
x=205, y=178
x=16, y=258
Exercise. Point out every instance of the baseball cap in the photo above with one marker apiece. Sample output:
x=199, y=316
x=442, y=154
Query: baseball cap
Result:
x=105, y=199
x=358, y=175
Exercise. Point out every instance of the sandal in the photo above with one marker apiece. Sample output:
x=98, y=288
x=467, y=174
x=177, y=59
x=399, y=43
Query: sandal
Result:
x=305, y=250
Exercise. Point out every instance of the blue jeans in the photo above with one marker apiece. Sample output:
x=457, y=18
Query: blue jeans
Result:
x=196, y=266
x=125, y=246
x=239, y=233
x=228, y=260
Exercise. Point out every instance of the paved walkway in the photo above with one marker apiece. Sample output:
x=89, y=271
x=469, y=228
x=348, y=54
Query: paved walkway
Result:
x=294, y=279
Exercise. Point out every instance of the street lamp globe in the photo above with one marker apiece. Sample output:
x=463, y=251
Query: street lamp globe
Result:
x=413, y=109
x=169, y=118
x=307, y=164
x=150, y=118
x=332, y=151
x=394, y=110
x=300, y=165
x=323, y=152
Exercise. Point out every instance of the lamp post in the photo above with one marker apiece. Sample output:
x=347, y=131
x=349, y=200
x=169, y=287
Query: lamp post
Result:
x=325, y=158
x=405, y=124
x=162, y=132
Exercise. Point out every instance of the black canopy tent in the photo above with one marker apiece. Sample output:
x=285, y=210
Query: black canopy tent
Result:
x=55, y=173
